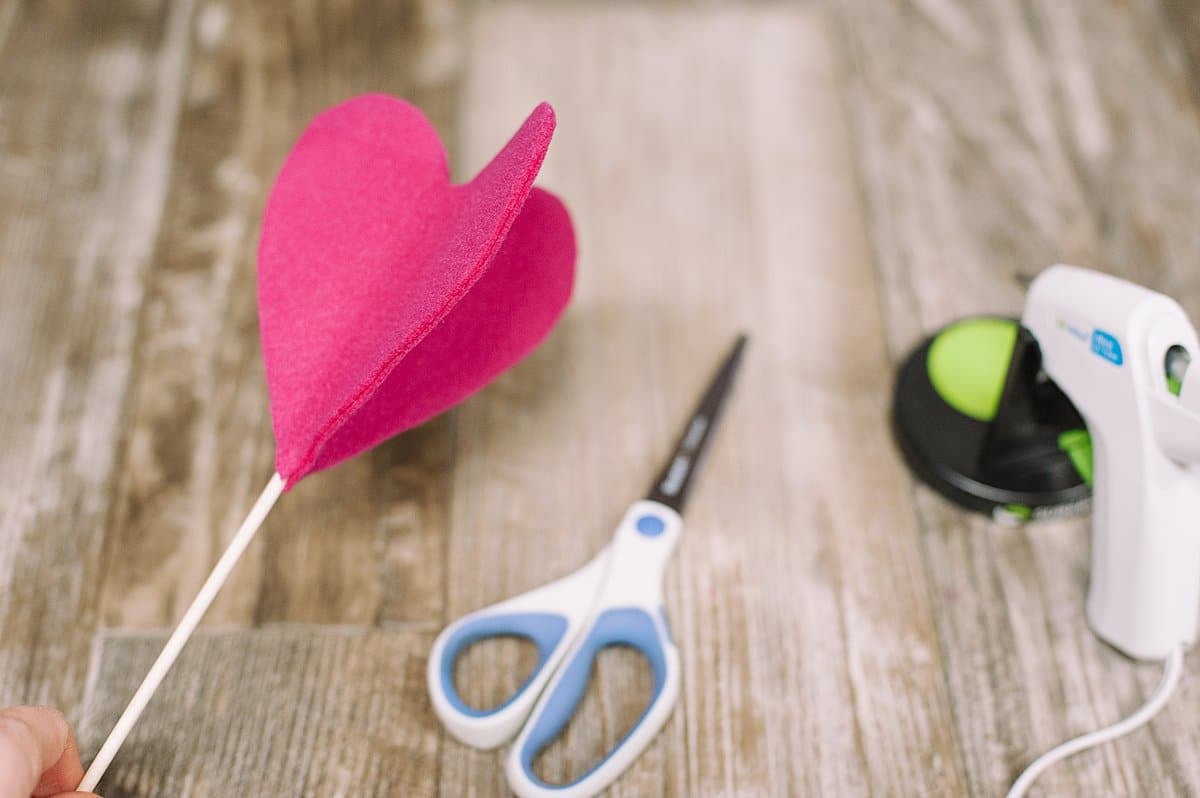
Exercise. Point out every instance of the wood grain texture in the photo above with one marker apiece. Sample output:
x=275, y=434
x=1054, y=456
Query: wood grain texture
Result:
x=292, y=709
x=1182, y=22
x=90, y=103
x=719, y=197
x=1023, y=135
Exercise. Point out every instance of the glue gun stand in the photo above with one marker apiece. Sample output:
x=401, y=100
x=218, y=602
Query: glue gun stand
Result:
x=1021, y=453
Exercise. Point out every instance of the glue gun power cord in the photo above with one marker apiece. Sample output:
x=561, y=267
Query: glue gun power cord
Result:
x=1172, y=672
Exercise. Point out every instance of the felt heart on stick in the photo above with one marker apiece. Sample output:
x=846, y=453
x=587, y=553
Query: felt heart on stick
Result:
x=387, y=294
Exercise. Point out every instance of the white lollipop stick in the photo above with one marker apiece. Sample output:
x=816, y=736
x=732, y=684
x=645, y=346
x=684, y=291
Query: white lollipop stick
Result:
x=183, y=631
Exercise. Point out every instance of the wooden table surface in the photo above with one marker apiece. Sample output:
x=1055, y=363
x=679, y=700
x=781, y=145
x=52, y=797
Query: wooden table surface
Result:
x=837, y=178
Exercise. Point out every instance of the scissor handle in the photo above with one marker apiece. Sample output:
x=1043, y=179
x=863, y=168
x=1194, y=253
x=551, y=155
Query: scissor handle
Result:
x=635, y=627
x=629, y=613
x=549, y=616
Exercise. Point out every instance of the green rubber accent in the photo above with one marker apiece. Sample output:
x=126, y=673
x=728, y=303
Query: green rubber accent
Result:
x=1174, y=385
x=968, y=363
x=1077, y=444
x=1022, y=511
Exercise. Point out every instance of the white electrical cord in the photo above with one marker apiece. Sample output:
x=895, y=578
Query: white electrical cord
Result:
x=1172, y=672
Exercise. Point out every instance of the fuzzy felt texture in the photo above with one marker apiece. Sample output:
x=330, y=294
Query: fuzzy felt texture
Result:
x=385, y=293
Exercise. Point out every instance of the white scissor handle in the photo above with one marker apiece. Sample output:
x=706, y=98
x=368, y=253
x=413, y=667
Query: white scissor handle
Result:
x=550, y=616
x=629, y=613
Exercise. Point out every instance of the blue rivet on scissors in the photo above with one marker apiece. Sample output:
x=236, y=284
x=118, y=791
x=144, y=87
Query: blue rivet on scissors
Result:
x=650, y=525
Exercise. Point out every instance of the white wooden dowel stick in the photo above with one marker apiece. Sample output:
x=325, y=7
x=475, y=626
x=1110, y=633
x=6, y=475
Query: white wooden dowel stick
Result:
x=183, y=631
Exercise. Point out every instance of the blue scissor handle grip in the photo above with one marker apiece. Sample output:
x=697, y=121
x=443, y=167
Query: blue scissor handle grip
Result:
x=549, y=615
x=545, y=629
x=487, y=728
x=635, y=627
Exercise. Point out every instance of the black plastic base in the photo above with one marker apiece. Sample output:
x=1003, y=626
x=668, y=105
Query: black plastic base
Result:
x=1010, y=467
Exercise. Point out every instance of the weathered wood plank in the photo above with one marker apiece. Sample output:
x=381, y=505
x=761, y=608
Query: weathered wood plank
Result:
x=89, y=99
x=1020, y=136
x=718, y=196
x=283, y=710
x=1182, y=19
x=351, y=546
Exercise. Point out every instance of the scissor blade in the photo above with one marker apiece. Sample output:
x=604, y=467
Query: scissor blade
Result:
x=671, y=486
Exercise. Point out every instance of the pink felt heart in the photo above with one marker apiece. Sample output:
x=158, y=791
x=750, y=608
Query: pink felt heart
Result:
x=385, y=293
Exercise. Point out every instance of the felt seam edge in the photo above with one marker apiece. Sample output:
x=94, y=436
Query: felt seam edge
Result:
x=373, y=383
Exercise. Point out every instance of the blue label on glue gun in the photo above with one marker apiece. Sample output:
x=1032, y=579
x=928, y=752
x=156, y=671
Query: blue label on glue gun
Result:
x=1107, y=346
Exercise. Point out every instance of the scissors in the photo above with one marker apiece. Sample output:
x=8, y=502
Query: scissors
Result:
x=614, y=600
